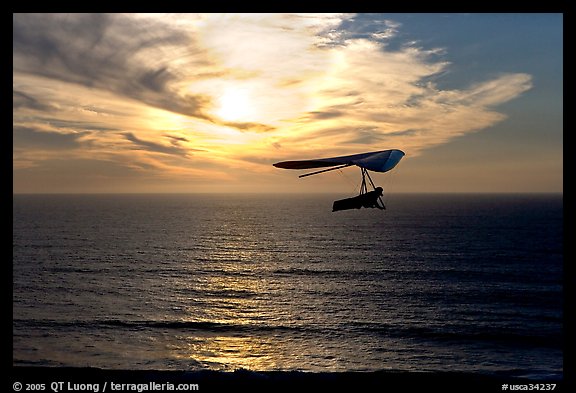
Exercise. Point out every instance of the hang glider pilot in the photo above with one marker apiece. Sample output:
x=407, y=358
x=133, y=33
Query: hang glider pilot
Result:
x=368, y=199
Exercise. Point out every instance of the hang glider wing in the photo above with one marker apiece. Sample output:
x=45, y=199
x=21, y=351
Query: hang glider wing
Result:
x=378, y=161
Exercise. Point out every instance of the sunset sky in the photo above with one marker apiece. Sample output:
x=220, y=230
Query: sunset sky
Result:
x=207, y=103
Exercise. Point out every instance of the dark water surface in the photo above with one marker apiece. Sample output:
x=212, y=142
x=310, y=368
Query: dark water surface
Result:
x=469, y=283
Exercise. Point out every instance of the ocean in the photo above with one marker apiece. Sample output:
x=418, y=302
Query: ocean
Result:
x=464, y=283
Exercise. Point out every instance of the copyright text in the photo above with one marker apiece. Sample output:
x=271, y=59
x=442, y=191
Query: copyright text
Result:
x=59, y=386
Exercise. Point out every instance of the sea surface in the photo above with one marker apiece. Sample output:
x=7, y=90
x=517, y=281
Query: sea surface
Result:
x=469, y=283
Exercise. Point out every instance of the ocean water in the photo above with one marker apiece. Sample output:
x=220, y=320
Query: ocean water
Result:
x=469, y=283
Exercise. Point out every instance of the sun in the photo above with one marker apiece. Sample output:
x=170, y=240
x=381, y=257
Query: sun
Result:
x=235, y=104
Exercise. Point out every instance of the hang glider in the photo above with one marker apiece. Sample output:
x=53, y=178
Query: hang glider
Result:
x=378, y=161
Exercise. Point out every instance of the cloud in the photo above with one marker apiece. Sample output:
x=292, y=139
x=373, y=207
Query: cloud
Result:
x=326, y=114
x=22, y=100
x=393, y=92
x=496, y=91
x=140, y=60
x=248, y=126
x=28, y=138
x=177, y=139
x=150, y=146
x=148, y=91
x=77, y=125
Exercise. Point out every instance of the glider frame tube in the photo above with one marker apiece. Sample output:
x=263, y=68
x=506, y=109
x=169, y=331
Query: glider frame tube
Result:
x=325, y=170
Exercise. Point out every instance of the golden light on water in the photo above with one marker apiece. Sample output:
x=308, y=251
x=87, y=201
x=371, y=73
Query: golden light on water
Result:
x=230, y=352
x=227, y=350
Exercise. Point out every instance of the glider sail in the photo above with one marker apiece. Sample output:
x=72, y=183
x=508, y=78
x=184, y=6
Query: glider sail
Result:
x=378, y=161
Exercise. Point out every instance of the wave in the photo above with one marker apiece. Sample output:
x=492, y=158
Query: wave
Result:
x=330, y=272
x=255, y=380
x=464, y=334
x=176, y=325
x=447, y=333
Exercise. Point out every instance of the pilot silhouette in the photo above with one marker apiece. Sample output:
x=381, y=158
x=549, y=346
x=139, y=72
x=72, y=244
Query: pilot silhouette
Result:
x=368, y=199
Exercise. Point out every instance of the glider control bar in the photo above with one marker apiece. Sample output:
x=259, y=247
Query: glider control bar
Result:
x=325, y=170
x=364, y=188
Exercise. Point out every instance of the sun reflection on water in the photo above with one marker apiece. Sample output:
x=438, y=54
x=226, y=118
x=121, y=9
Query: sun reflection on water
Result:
x=227, y=352
x=235, y=305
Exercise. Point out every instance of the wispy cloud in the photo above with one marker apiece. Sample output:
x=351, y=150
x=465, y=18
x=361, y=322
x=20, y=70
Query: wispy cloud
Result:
x=141, y=144
x=137, y=59
x=22, y=100
x=29, y=138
